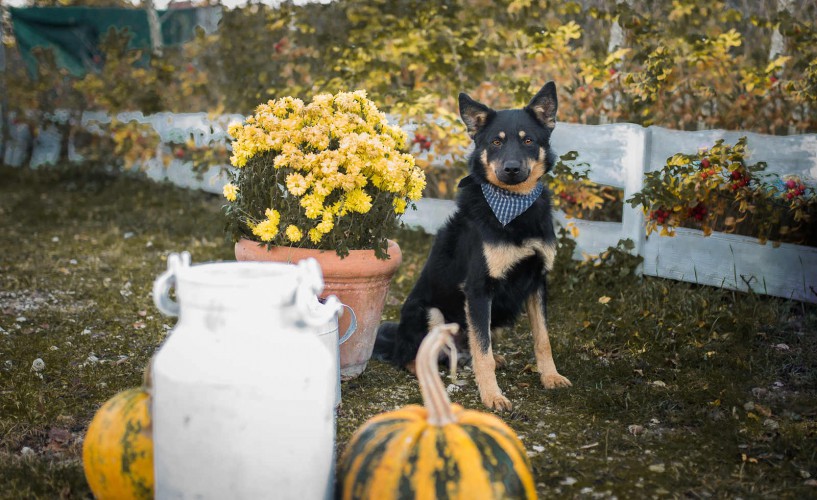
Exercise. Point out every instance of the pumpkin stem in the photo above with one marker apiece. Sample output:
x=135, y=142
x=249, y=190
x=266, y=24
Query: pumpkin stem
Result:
x=435, y=397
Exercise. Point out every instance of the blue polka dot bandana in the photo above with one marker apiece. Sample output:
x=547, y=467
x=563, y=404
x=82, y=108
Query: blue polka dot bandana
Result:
x=506, y=205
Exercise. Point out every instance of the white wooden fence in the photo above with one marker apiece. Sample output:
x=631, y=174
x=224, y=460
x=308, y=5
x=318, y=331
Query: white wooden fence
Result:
x=618, y=154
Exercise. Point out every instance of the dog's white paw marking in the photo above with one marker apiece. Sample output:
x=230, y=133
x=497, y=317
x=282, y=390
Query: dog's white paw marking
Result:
x=554, y=381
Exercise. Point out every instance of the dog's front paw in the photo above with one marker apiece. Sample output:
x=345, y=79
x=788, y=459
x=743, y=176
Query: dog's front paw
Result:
x=553, y=381
x=496, y=401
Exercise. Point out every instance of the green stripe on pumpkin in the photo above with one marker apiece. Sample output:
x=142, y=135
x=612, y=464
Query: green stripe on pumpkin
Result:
x=364, y=453
x=498, y=462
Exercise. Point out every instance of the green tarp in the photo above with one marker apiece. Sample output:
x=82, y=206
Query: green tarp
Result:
x=74, y=33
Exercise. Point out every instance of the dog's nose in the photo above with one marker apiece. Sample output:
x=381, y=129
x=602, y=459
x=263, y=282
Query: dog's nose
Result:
x=512, y=167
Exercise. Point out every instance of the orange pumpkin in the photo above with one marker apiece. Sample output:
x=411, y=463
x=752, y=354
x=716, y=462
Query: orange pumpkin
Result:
x=117, y=454
x=436, y=451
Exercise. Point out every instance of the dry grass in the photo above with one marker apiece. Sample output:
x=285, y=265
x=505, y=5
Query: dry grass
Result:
x=678, y=390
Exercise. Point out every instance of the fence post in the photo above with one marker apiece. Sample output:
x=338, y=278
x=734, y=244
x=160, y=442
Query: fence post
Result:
x=636, y=163
x=155, y=28
x=778, y=44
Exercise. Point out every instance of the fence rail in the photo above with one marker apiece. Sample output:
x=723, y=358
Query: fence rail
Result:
x=619, y=155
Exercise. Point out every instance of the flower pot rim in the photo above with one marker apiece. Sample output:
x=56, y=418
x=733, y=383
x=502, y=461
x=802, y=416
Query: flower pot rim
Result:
x=331, y=263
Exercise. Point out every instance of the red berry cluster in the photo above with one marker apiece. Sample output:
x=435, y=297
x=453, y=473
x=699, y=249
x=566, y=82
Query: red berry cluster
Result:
x=698, y=212
x=661, y=215
x=707, y=172
x=794, y=188
x=423, y=141
x=739, y=180
x=567, y=197
x=179, y=153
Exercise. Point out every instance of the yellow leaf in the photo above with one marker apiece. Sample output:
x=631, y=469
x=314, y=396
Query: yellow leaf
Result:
x=604, y=299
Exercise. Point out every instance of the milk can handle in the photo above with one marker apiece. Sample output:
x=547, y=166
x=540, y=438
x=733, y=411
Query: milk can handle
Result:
x=163, y=284
x=310, y=285
x=352, y=325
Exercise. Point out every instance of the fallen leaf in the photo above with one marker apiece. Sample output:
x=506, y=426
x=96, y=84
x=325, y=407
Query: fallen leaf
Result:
x=604, y=299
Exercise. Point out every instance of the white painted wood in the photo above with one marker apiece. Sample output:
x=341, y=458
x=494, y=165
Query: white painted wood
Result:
x=785, y=154
x=734, y=262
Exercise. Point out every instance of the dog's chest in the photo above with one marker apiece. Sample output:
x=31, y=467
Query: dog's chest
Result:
x=502, y=257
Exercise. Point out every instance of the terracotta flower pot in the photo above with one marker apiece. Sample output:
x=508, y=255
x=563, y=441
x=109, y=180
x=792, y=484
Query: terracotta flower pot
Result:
x=360, y=281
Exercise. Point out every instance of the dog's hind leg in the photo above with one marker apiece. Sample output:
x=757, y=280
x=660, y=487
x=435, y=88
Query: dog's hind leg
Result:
x=548, y=374
x=478, y=316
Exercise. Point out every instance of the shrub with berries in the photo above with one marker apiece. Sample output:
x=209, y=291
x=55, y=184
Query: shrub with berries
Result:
x=716, y=190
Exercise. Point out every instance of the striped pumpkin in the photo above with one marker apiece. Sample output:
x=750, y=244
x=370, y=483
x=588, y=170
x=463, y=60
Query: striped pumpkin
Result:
x=118, y=450
x=437, y=451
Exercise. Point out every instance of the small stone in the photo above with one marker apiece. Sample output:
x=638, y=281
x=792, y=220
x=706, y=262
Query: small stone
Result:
x=552, y=435
x=8, y=364
x=148, y=244
x=86, y=331
x=805, y=474
x=92, y=359
x=782, y=347
x=778, y=384
x=657, y=468
x=38, y=365
x=659, y=383
x=452, y=388
x=21, y=319
x=654, y=421
x=759, y=392
x=750, y=406
x=538, y=448
x=53, y=348
x=55, y=239
x=128, y=235
x=568, y=481
x=27, y=452
x=73, y=262
x=635, y=429
x=586, y=490
x=771, y=424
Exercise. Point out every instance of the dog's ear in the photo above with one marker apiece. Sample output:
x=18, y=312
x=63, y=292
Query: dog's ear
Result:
x=475, y=115
x=544, y=105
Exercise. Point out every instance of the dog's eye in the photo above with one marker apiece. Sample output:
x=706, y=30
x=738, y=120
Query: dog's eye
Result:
x=528, y=140
x=496, y=142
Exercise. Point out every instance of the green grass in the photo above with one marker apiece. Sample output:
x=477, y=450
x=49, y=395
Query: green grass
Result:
x=677, y=389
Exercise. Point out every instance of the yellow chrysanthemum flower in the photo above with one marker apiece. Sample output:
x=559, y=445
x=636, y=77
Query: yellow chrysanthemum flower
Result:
x=268, y=229
x=230, y=191
x=293, y=233
x=358, y=201
x=399, y=205
x=297, y=184
x=315, y=236
x=327, y=223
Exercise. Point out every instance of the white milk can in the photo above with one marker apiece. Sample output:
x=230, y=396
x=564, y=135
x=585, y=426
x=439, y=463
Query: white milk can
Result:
x=243, y=389
x=328, y=335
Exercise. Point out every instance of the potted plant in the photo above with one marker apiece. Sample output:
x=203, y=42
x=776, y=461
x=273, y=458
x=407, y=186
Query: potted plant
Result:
x=329, y=180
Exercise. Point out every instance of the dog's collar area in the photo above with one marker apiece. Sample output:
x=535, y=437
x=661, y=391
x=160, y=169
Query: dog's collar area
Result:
x=507, y=205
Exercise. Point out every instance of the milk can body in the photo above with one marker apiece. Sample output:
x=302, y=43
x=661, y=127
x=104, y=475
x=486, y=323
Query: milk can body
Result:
x=243, y=392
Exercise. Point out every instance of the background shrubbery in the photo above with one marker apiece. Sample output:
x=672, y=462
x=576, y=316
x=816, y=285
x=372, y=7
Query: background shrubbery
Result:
x=683, y=64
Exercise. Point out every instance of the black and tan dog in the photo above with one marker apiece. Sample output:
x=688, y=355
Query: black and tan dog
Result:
x=490, y=260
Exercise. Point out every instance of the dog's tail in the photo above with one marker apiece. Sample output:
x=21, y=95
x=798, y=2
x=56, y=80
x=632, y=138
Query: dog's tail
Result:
x=385, y=341
x=390, y=347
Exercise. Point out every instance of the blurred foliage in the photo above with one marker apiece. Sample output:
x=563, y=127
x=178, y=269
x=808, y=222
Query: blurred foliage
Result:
x=684, y=64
